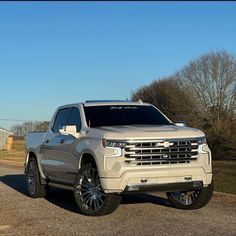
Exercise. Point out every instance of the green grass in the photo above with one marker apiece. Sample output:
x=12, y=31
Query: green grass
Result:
x=224, y=172
x=224, y=175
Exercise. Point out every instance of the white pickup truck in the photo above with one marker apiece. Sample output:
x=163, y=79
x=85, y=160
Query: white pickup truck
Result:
x=103, y=149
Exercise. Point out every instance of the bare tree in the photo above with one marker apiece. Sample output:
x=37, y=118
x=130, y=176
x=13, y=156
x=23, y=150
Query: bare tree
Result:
x=41, y=126
x=18, y=131
x=202, y=93
x=21, y=130
x=28, y=127
x=167, y=94
x=211, y=81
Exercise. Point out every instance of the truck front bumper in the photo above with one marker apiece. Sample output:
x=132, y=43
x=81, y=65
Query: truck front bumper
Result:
x=157, y=180
x=171, y=187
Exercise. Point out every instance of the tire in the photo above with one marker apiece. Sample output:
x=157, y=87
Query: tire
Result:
x=34, y=188
x=89, y=196
x=189, y=200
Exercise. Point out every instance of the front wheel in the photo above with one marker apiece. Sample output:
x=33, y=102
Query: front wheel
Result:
x=89, y=195
x=194, y=199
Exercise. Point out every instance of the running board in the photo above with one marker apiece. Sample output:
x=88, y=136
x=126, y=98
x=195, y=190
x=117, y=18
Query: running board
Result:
x=61, y=186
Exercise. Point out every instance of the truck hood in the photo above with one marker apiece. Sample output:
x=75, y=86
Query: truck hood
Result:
x=146, y=132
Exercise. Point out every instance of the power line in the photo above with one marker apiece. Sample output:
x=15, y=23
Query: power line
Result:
x=5, y=119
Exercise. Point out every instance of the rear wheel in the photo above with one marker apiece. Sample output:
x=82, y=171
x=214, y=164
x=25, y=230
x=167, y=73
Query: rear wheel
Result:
x=194, y=199
x=34, y=188
x=89, y=195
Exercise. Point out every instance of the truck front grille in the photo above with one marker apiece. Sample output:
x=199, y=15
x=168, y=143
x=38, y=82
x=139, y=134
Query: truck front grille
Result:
x=157, y=152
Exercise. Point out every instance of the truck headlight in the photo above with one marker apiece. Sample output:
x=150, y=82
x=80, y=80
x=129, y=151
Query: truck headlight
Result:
x=201, y=141
x=113, y=143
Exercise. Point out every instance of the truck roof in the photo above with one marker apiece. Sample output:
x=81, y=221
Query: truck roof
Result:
x=112, y=102
x=105, y=102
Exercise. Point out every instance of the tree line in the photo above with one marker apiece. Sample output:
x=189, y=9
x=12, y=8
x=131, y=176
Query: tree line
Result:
x=21, y=130
x=202, y=93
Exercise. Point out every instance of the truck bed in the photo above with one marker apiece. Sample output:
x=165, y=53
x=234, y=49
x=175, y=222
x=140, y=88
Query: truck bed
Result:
x=34, y=140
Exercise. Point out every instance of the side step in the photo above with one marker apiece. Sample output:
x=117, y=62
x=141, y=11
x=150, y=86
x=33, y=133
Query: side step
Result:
x=61, y=186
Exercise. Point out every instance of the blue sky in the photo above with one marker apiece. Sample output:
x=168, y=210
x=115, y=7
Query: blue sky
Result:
x=53, y=53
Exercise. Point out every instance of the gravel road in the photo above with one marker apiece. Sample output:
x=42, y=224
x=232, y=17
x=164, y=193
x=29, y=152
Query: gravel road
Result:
x=139, y=214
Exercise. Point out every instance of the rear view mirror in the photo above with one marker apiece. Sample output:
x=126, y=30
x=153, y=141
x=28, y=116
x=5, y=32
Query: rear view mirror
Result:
x=69, y=129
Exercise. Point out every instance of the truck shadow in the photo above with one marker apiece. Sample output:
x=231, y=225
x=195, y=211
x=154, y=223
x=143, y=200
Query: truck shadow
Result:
x=16, y=182
x=65, y=198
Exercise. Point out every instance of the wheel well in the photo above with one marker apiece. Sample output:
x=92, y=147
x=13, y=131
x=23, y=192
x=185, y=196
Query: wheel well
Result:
x=32, y=155
x=87, y=158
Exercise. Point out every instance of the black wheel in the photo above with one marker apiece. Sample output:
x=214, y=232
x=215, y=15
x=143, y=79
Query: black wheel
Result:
x=194, y=199
x=34, y=188
x=89, y=196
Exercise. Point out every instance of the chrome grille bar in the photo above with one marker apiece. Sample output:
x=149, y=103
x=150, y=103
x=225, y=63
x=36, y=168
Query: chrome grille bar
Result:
x=150, y=152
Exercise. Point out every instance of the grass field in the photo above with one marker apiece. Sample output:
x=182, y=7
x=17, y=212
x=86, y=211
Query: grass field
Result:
x=16, y=154
x=224, y=172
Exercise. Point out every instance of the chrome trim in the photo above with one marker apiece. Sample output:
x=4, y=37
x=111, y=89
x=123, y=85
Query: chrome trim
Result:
x=165, y=151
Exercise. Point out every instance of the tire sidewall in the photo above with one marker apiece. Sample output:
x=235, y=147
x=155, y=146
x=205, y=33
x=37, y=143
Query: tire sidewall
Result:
x=202, y=200
x=40, y=189
x=111, y=201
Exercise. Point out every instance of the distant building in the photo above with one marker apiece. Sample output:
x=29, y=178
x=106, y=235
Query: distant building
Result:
x=4, y=134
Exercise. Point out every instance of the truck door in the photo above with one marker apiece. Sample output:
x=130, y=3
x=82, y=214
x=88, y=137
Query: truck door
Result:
x=60, y=162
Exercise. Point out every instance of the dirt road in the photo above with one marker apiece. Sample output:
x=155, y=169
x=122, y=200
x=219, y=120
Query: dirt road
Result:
x=140, y=214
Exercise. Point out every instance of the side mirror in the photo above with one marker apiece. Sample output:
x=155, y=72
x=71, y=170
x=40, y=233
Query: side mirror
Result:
x=181, y=123
x=69, y=129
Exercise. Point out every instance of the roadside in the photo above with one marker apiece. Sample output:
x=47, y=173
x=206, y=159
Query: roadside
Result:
x=143, y=214
x=13, y=163
x=224, y=174
x=16, y=156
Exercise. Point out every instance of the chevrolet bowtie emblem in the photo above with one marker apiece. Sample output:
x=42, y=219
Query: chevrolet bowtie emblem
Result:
x=166, y=144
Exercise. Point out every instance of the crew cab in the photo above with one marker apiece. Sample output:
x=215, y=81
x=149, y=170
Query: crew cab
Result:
x=104, y=149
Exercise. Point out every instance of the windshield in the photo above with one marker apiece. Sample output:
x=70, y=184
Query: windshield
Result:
x=123, y=115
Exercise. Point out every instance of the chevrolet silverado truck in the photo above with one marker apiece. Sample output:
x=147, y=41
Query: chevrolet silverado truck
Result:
x=104, y=149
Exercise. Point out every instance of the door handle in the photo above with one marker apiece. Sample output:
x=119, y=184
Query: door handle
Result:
x=47, y=141
x=62, y=140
